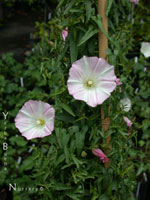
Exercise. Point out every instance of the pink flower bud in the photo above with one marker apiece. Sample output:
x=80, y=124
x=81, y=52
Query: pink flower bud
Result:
x=100, y=155
x=128, y=122
x=118, y=82
x=65, y=33
x=134, y=1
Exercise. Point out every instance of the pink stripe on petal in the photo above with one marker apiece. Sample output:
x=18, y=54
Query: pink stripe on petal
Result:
x=76, y=74
x=96, y=97
x=100, y=155
x=81, y=95
x=49, y=127
x=102, y=96
x=31, y=106
x=29, y=133
x=75, y=88
x=49, y=114
x=35, y=133
x=107, y=87
x=108, y=74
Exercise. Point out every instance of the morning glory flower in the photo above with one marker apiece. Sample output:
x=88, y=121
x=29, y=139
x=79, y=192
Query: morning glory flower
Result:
x=35, y=119
x=125, y=104
x=65, y=33
x=91, y=79
x=128, y=122
x=145, y=49
x=100, y=155
x=134, y=1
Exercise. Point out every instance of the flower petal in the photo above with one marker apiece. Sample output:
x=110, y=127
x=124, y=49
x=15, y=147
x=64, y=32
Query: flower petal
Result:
x=100, y=155
x=65, y=33
x=118, y=82
x=125, y=104
x=78, y=91
x=35, y=133
x=134, y=1
x=128, y=121
x=96, y=97
x=145, y=49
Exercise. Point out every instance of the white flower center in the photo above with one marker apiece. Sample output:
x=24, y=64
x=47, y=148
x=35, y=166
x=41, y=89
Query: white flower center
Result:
x=40, y=122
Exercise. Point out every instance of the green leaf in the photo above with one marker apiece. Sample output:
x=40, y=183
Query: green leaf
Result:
x=60, y=159
x=88, y=10
x=59, y=136
x=98, y=21
x=28, y=163
x=73, y=50
x=60, y=4
x=19, y=141
x=69, y=6
x=145, y=124
x=108, y=6
x=67, y=108
x=87, y=35
x=60, y=186
x=65, y=140
x=64, y=117
x=58, y=92
x=140, y=170
x=77, y=161
x=73, y=196
x=104, y=197
x=80, y=136
x=68, y=165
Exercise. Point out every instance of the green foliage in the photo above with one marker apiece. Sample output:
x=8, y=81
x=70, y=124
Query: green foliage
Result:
x=10, y=3
x=63, y=164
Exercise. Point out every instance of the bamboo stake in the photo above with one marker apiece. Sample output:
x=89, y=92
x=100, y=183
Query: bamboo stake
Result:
x=103, y=42
x=103, y=45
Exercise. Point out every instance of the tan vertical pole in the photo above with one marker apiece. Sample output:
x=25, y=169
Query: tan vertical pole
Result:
x=103, y=42
x=103, y=45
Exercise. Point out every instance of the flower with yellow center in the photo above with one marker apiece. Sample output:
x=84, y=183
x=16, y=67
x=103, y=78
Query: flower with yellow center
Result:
x=40, y=122
x=91, y=79
x=35, y=119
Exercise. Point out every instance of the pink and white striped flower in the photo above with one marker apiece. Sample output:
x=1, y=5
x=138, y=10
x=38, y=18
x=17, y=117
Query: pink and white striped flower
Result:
x=35, y=119
x=91, y=79
x=125, y=104
x=100, y=155
x=145, y=49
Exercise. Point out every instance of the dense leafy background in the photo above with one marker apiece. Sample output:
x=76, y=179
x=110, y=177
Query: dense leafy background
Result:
x=63, y=163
